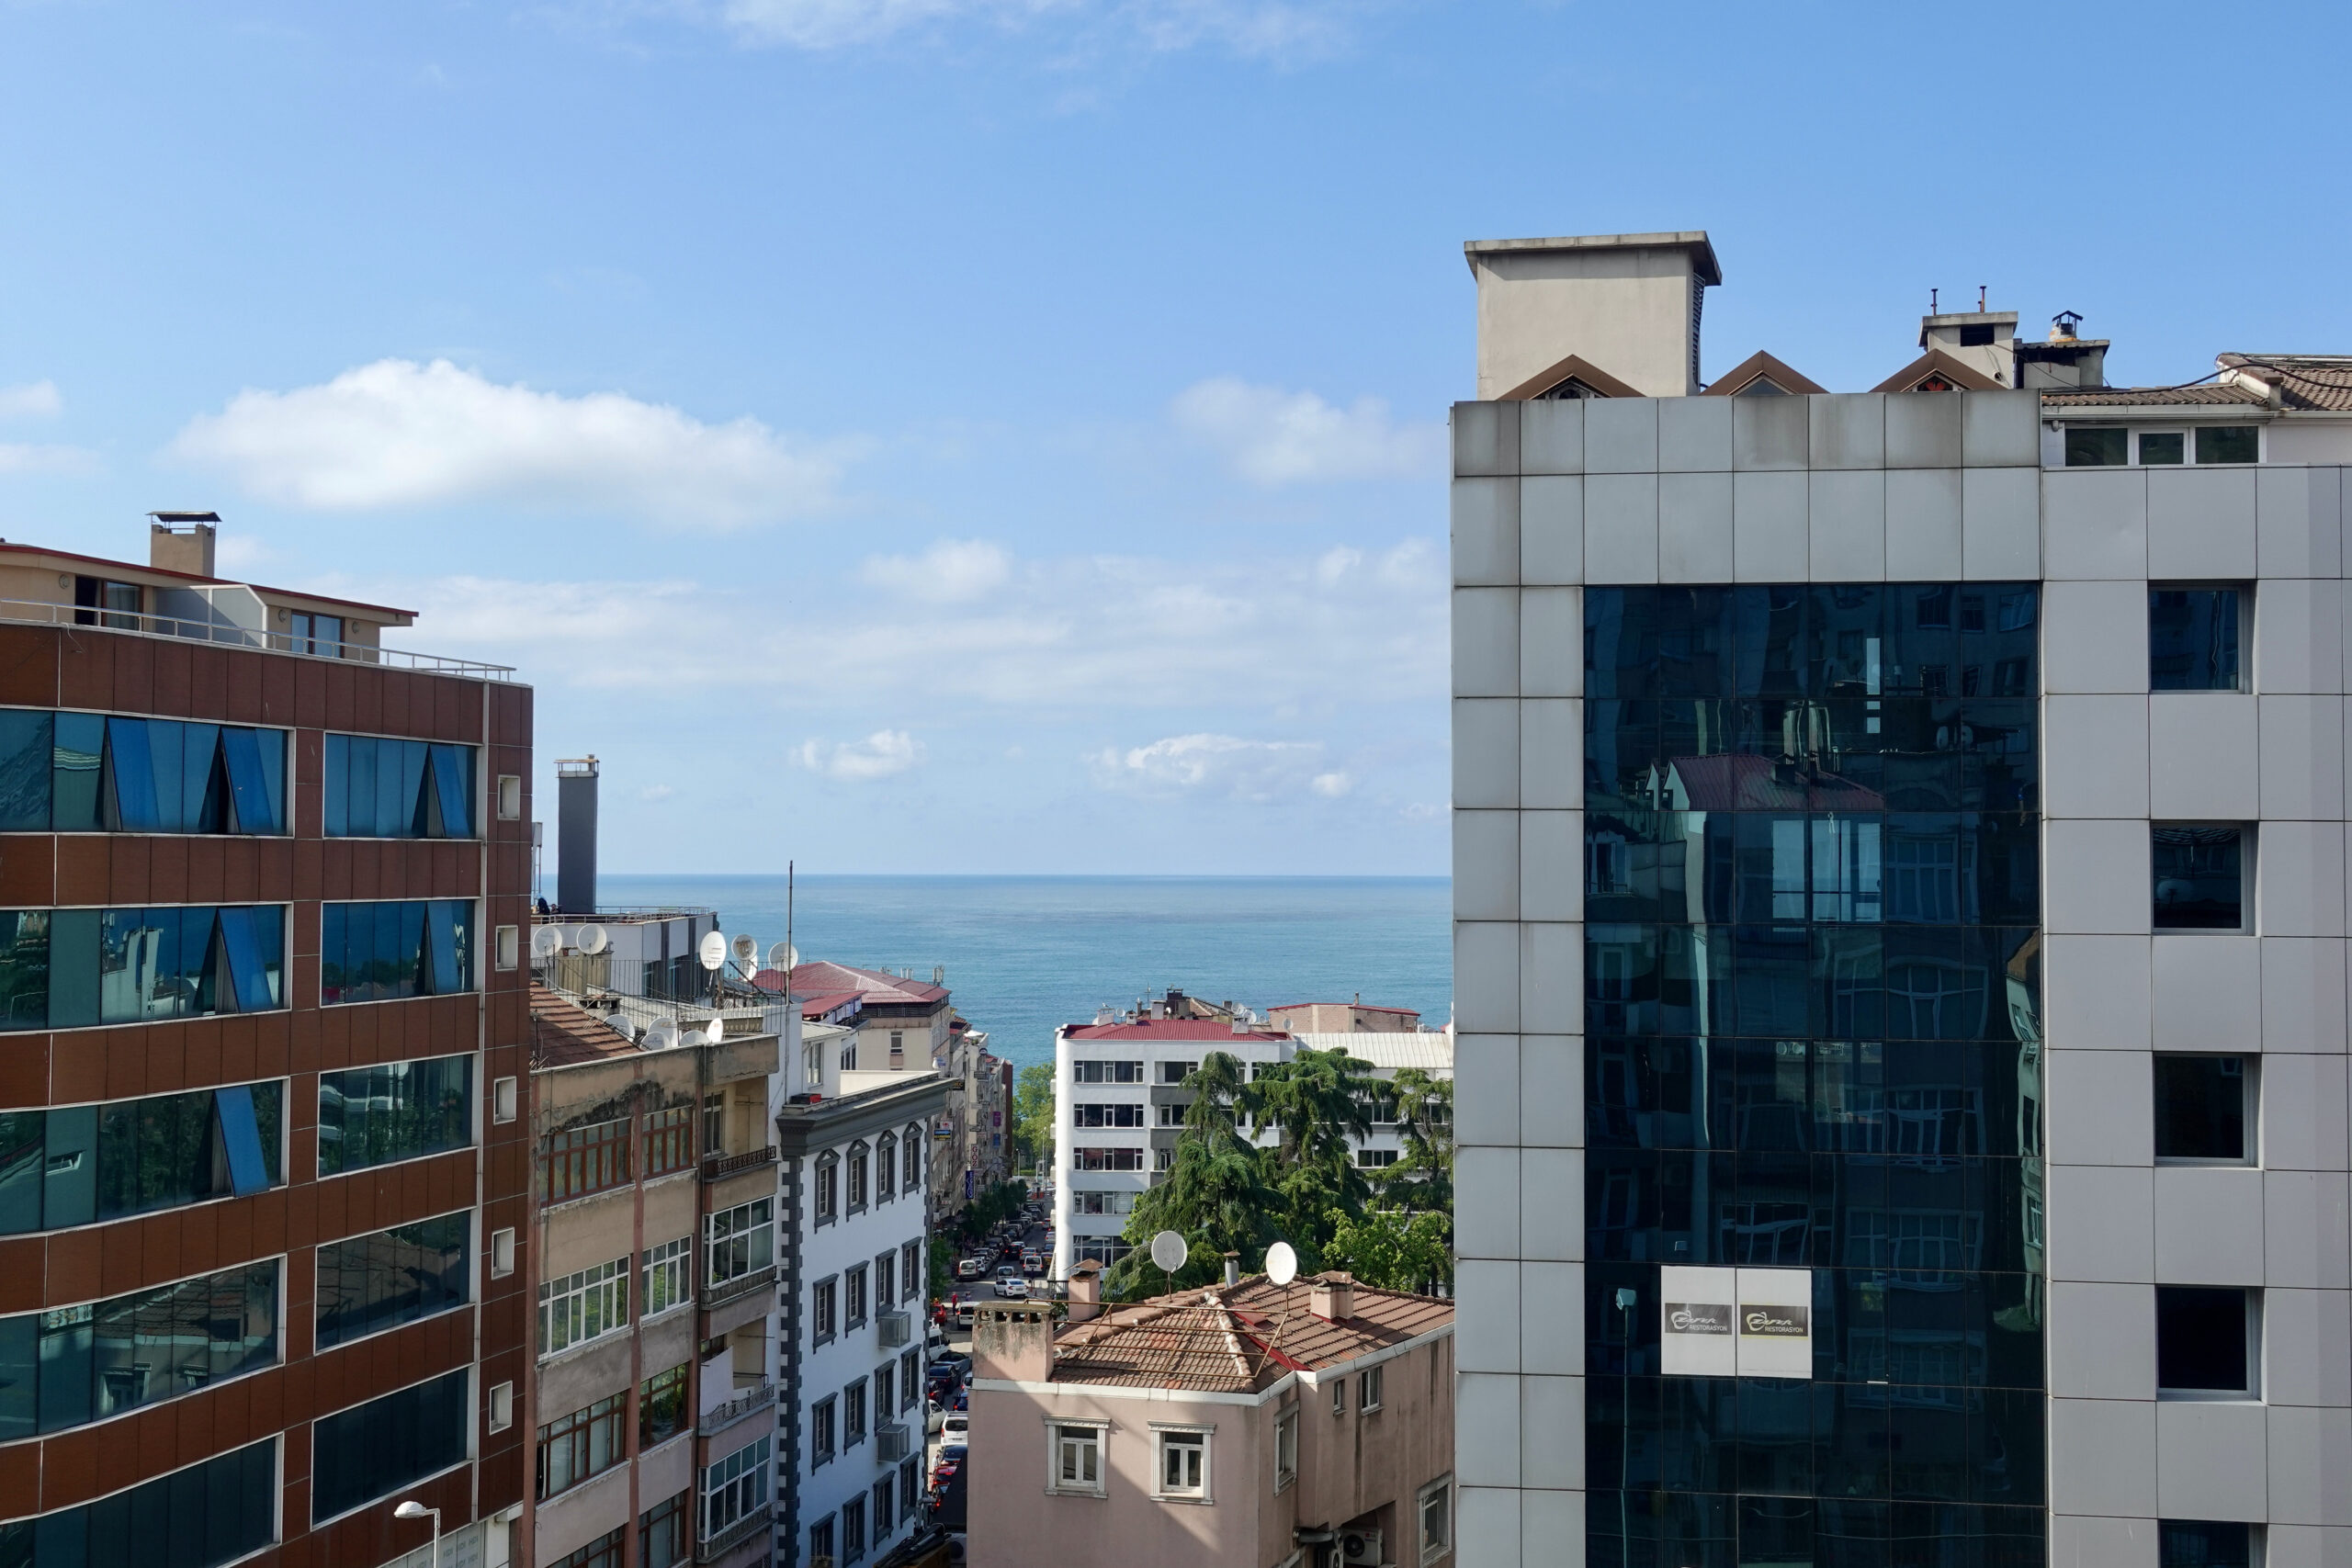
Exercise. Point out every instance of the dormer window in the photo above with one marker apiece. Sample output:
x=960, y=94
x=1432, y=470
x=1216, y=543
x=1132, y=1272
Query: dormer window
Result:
x=1762, y=386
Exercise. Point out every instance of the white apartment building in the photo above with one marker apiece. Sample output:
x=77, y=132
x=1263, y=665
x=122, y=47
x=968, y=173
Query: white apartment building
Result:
x=1900, y=880
x=1119, y=1103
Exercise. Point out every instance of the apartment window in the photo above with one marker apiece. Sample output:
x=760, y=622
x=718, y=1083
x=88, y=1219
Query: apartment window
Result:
x=1339, y=1396
x=909, y=1381
x=897, y=1043
x=821, y=1418
x=886, y=1399
x=2199, y=876
x=820, y=1543
x=604, y=1551
x=881, y=1494
x=74, y=1365
x=1106, y=1072
x=1076, y=1460
x=886, y=1285
x=1434, y=1510
x=1286, y=1449
x=370, y=1116
x=1368, y=1383
x=829, y=1187
x=2206, y=1341
x=74, y=968
x=661, y=1533
x=1105, y=1202
x=73, y=1165
x=370, y=1283
x=854, y=1296
x=374, y=953
x=581, y=1306
x=669, y=1277
x=661, y=1407
x=911, y=1158
x=741, y=1240
x=1181, y=1466
x=207, y=1514
x=1106, y=1159
x=669, y=1141
x=120, y=601
x=2195, y=635
x=2229, y=444
x=373, y=1450
x=2098, y=446
x=859, y=1169
x=1163, y=1159
x=1171, y=1116
x=321, y=634
x=580, y=1160
x=1176, y=1072
x=586, y=1442
x=910, y=1487
x=2161, y=448
x=853, y=1414
x=854, y=1530
x=910, y=1269
x=377, y=787
x=1107, y=1115
x=713, y=1122
x=86, y=772
x=886, y=1167
x=735, y=1488
x=1375, y=1160
x=2201, y=1107
x=822, y=1324
x=2204, y=1543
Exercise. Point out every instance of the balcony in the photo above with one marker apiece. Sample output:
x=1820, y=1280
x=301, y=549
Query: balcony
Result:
x=719, y=1292
x=208, y=621
x=720, y=1416
x=891, y=1442
x=893, y=1328
x=719, y=1167
x=755, y=1523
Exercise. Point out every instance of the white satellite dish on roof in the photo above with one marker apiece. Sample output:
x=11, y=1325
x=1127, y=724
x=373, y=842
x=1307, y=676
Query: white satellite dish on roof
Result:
x=1282, y=1263
x=785, y=957
x=591, y=939
x=713, y=950
x=1170, y=1250
x=661, y=1037
x=718, y=1034
x=547, y=940
x=746, y=950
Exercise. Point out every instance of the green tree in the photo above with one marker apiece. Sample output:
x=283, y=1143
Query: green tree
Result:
x=1033, y=1114
x=1423, y=1179
x=1215, y=1192
x=1315, y=1103
x=1390, y=1249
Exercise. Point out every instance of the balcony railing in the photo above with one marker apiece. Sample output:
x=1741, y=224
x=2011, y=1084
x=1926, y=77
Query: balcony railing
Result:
x=180, y=628
x=756, y=1522
x=718, y=1168
x=718, y=1417
x=719, y=1292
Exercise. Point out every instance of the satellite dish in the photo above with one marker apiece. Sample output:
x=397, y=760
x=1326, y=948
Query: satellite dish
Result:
x=718, y=1030
x=783, y=955
x=547, y=940
x=746, y=951
x=1282, y=1263
x=591, y=939
x=714, y=950
x=1168, y=1250
x=661, y=1037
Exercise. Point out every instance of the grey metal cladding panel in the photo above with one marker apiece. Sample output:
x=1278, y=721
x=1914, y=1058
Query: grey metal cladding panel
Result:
x=1999, y=430
x=1551, y=436
x=1694, y=434
x=1621, y=435
x=1770, y=432
x=1486, y=439
x=1849, y=429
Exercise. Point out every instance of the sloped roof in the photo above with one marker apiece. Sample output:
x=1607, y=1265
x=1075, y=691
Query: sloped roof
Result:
x=2205, y=396
x=1573, y=367
x=1236, y=1338
x=2310, y=381
x=2307, y=383
x=565, y=1034
x=1432, y=1050
x=1171, y=1029
x=1936, y=362
x=820, y=977
x=1761, y=365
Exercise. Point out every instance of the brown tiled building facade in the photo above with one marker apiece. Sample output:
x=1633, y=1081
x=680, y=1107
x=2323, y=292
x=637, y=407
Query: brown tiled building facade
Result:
x=90, y=670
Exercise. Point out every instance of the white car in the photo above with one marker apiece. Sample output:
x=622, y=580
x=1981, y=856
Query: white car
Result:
x=956, y=1428
x=1013, y=1290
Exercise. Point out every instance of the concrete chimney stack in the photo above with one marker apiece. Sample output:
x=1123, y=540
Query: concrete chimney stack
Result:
x=1333, y=1298
x=182, y=541
x=1086, y=1291
x=575, y=866
x=1013, y=1341
x=1624, y=307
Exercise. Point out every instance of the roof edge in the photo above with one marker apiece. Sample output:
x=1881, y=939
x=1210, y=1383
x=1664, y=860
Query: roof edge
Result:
x=1695, y=240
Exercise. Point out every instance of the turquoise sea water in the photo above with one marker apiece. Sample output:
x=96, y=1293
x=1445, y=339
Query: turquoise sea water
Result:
x=1024, y=954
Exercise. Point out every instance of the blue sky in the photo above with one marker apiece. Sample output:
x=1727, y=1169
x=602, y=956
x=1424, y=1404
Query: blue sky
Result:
x=1005, y=436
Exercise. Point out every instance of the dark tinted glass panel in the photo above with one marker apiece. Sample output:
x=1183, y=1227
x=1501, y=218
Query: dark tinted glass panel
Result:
x=366, y=1452
x=112, y=1356
x=207, y=1514
x=399, y=1110
x=389, y=950
x=377, y=786
x=24, y=759
x=71, y=968
x=2204, y=1543
x=2200, y=1106
x=2097, y=445
x=373, y=1282
x=2201, y=1338
x=2193, y=639
x=2198, y=876
x=2161, y=447
x=2228, y=444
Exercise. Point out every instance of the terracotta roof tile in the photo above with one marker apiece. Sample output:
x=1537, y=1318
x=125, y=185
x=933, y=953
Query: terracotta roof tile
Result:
x=565, y=1034
x=1237, y=1340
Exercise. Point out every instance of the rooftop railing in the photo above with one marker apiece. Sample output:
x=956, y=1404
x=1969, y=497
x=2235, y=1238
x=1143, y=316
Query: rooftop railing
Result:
x=223, y=633
x=718, y=1168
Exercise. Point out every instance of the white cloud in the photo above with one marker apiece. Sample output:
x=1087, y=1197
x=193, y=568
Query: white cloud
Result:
x=1218, y=764
x=832, y=24
x=879, y=755
x=952, y=571
x=1280, y=31
x=34, y=398
x=1273, y=437
x=1331, y=785
x=398, y=433
x=656, y=792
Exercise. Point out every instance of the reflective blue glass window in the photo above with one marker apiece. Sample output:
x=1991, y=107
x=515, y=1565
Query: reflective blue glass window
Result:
x=84, y=1363
x=372, y=1449
x=81, y=773
x=212, y=1512
x=380, y=787
x=384, y=952
x=373, y=1282
x=71, y=968
x=399, y=1110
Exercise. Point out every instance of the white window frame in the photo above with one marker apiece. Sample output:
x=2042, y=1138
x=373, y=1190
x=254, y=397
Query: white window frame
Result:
x=723, y=1227
x=746, y=1486
x=557, y=1297
x=1160, y=1432
x=1441, y=1487
x=1370, y=1392
x=1285, y=1437
x=676, y=1260
x=1100, y=1433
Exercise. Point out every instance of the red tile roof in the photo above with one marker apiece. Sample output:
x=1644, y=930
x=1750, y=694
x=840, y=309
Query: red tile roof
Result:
x=1236, y=1338
x=820, y=978
x=564, y=1034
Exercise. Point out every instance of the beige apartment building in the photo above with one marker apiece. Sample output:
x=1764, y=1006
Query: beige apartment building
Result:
x=654, y=1382
x=1251, y=1424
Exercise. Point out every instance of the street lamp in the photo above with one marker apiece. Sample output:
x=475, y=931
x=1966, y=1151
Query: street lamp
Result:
x=413, y=1509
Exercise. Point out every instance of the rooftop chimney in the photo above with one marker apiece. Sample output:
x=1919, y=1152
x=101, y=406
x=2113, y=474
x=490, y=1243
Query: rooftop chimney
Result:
x=1086, y=1291
x=1334, y=1297
x=1013, y=1341
x=1233, y=1267
x=1627, y=305
x=182, y=541
x=575, y=866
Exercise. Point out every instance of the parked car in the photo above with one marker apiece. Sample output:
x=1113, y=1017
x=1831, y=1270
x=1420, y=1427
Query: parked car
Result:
x=1013, y=1290
x=951, y=1363
x=969, y=1268
x=963, y=1314
x=935, y=1415
x=1032, y=1262
x=955, y=1428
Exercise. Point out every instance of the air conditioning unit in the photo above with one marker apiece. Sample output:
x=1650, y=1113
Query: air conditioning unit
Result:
x=1360, y=1547
x=892, y=1326
x=890, y=1442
